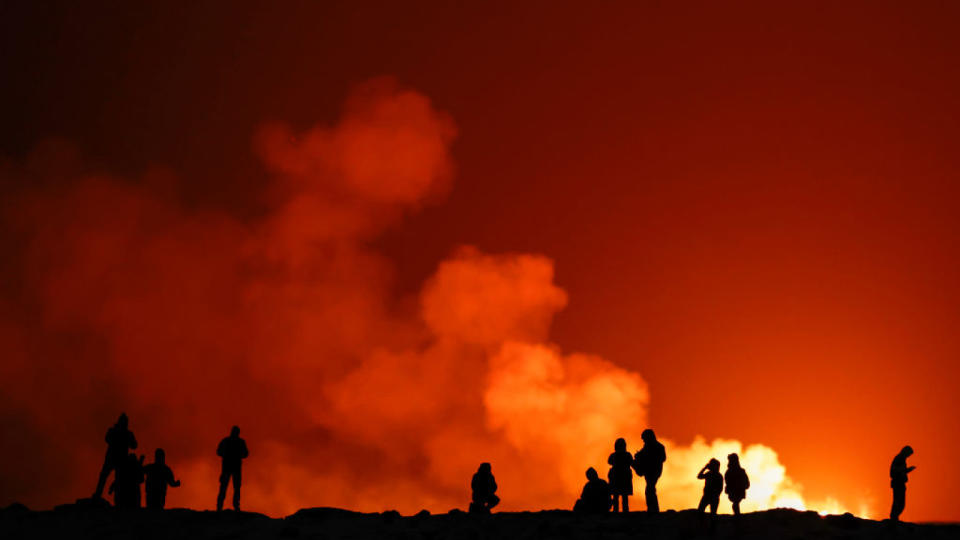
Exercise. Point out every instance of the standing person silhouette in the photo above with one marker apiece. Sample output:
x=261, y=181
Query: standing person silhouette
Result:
x=120, y=441
x=483, y=487
x=898, y=481
x=737, y=482
x=159, y=476
x=649, y=464
x=233, y=450
x=621, y=477
x=712, y=486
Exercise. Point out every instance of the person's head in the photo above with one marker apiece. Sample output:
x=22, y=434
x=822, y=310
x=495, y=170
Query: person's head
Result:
x=235, y=431
x=123, y=421
x=713, y=464
x=484, y=468
x=907, y=451
x=592, y=474
x=733, y=460
x=648, y=436
x=159, y=456
x=620, y=445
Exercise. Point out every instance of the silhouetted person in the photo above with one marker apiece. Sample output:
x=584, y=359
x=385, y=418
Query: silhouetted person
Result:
x=119, y=442
x=126, y=484
x=159, y=476
x=620, y=476
x=898, y=481
x=712, y=486
x=233, y=450
x=649, y=464
x=484, y=489
x=737, y=482
x=595, y=498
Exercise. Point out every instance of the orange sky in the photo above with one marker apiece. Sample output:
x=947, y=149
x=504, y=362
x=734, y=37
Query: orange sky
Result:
x=754, y=208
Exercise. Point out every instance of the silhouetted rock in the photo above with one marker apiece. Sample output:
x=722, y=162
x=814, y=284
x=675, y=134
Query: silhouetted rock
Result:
x=16, y=508
x=79, y=522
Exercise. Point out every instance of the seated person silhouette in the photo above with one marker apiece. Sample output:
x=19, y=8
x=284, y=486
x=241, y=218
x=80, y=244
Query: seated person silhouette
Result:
x=712, y=486
x=737, y=482
x=126, y=484
x=484, y=488
x=120, y=441
x=595, y=498
x=621, y=477
x=649, y=464
x=898, y=481
x=232, y=450
x=159, y=476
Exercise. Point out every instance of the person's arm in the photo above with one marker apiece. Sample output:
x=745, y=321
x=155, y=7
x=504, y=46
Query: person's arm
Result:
x=703, y=473
x=245, y=453
x=220, y=448
x=910, y=469
x=133, y=441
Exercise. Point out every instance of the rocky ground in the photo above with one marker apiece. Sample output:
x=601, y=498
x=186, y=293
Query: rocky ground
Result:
x=83, y=521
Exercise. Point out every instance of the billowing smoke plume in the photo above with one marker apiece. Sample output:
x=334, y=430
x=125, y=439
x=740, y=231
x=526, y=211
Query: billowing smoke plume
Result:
x=118, y=296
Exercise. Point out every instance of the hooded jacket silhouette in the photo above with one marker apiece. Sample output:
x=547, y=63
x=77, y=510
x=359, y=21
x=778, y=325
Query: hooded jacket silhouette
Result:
x=595, y=498
x=898, y=482
x=737, y=482
x=649, y=464
x=483, y=487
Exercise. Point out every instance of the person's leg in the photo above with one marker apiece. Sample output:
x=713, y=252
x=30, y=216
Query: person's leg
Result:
x=104, y=474
x=616, y=502
x=626, y=504
x=714, y=504
x=236, y=490
x=899, y=503
x=653, y=504
x=703, y=504
x=222, y=494
x=736, y=508
x=493, y=501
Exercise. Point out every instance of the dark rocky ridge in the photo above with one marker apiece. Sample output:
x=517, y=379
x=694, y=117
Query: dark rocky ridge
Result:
x=83, y=521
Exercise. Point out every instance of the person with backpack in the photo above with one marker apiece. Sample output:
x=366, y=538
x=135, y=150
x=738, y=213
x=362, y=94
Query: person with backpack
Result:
x=737, y=482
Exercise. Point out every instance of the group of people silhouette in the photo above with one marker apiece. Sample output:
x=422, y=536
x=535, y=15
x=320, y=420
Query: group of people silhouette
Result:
x=130, y=472
x=598, y=496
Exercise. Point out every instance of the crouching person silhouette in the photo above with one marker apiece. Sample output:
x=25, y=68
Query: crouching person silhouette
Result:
x=712, y=486
x=120, y=441
x=232, y=450
x=595, y=498
x=484, y=488
x=159, y=476
x=898, y=481
x=737, y=482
